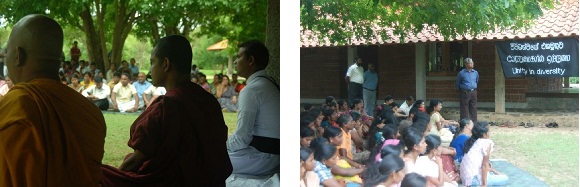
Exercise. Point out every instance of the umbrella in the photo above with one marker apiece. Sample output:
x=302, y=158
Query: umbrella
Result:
x=218, y=46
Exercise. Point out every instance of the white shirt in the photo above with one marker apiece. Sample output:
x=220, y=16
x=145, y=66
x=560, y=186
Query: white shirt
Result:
x=405, y=108
x=160, y=91
x=356, y=73
x=4, y=89
x=428, y=167
x=102, y=93
x=258, y=112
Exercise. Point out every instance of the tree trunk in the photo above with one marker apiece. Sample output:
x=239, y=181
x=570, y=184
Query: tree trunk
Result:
x=94, y=49
x=101, y=9
x=124, y=20
x=273, y=39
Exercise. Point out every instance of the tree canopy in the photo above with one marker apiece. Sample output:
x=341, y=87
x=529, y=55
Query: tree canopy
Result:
x=342, y=20
x=107, y=23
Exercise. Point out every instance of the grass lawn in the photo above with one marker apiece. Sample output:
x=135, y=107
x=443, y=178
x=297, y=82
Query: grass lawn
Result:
x=549, y=154
x=118, y=125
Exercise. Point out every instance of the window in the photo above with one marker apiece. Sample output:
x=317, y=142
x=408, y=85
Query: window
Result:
x=446, y=58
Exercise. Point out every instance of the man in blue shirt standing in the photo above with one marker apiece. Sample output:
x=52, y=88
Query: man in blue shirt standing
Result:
x=466, y=84
x=371, y=80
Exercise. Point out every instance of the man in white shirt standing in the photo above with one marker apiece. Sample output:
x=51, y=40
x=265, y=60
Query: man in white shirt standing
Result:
x=355, y=79
x=254, y=148
x=98, y=93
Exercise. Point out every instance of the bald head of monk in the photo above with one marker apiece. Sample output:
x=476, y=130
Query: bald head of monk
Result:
x=34, y=49
x=171, y=62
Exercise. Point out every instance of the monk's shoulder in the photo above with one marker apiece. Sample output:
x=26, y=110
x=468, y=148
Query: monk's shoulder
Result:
x=17, y=105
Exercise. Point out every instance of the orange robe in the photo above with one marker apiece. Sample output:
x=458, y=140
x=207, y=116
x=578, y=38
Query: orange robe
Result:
x=50, y=135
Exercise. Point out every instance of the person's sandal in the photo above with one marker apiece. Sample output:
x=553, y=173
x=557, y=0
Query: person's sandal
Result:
x=554, y=125
x=550, y=125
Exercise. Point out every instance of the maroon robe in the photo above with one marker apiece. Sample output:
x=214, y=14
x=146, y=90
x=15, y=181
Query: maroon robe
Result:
x=184, y=135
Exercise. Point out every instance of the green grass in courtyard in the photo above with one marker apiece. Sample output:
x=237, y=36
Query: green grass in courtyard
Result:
x=118, y=126
x=550, y=156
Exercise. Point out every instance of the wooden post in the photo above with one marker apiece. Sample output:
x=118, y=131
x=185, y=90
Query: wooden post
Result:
x=566, y=82
x=499, y=85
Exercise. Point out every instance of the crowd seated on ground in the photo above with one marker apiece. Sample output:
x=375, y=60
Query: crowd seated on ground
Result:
x=81, y=75
x=416, y=148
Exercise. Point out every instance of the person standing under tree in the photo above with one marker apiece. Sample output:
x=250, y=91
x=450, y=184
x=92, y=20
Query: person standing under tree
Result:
x=371, y=80
x=466, y=84
x=355, y=79
x=75, y=52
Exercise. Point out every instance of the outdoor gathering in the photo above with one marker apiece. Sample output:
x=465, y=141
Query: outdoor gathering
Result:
x=139, y=93
x=438, y=93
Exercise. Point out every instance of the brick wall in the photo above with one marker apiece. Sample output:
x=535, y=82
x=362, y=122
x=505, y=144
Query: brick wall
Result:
x=544, y=84
x=396, y=71
x=441, y=89
x=322, y=72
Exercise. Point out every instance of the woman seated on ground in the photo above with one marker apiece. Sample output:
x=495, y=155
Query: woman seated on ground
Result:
x=75, y=85
x=217, y=79
x=387, y=136
x=326, y=158
x=416, y=146
x=345, y=168
x=202, y=81
x=475, y=168
x=386, y=173
x=421, y=122
x=307, y=176
x=430, y=165
x=343, y=107
x=439, y=126
x=419, y=105
x=306, y=136
x=414, y=180
x=330, y=117
x=226, y=95
x=465, y=127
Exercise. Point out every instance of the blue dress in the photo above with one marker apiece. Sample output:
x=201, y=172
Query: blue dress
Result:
x=458, y=144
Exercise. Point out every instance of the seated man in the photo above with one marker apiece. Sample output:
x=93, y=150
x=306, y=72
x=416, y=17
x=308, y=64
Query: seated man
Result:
x=114, y=81
x=98, y=94
x=141, y=85
x=87, y=80
x=6, y=87
x=179, y=139
x=254, y=148
x=49, y=134
x=124, y=96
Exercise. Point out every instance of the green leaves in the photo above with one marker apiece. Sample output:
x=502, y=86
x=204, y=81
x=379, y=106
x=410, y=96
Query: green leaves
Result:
x=342, y=20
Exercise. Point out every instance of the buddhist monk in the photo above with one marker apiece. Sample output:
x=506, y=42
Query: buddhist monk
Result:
x=50, y=135
x=179, y=140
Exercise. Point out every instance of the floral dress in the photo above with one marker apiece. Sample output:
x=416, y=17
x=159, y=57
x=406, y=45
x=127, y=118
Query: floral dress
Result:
x=470, y=168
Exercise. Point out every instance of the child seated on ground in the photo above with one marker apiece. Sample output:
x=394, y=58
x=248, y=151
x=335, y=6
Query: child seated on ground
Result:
x=477, y=151
x=307, y=176
x=386, y=173
x=345, y=168
x=430, y=165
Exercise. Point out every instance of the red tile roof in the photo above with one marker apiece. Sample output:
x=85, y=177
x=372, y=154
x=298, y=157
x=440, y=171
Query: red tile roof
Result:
x=560, y=21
